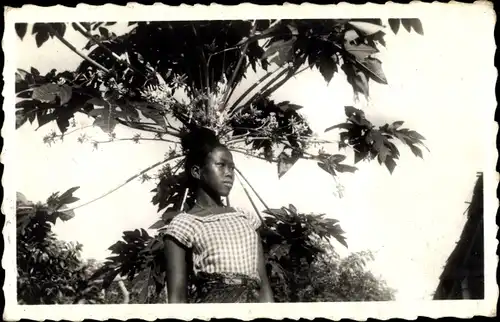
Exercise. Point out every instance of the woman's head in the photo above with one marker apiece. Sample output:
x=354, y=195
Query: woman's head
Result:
x=209, y=164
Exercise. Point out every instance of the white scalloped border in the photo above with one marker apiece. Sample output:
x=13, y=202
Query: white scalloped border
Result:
x=356, y=311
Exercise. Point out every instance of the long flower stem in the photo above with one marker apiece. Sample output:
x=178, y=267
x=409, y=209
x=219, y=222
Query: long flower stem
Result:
x=258, y=94
x=243, y=139
x=291, y=74
x=137, y=140
x=76, y=51
x=86, y=33
x=251, y=88
x=220, y=52
x=238, y=65
x=250, y=155
x=135, y=176
x=252, y=202
x=251, y=187
x=62, y=136
x=145, y=127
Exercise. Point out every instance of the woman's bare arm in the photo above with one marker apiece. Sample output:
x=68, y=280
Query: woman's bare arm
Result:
x=175, y=256
x=266, y=293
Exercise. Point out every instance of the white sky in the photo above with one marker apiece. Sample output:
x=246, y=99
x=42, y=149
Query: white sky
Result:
x=410, y=219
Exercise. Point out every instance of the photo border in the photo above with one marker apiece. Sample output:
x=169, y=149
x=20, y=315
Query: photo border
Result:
x=350, y=310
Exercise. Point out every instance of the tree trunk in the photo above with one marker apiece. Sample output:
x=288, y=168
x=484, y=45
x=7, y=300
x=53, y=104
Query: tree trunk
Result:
x=126, y=296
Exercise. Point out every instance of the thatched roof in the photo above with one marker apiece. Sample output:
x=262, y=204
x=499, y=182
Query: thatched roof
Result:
x=467, y=259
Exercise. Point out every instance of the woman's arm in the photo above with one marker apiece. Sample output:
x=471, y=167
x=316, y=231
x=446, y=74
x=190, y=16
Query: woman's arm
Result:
x=175, y=255
x=266, y=293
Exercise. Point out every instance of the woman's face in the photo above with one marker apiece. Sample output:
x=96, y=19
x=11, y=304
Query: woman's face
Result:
x=218, y=173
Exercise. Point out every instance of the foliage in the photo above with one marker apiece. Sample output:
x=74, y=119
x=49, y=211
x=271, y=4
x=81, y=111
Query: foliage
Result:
x=291, y=243
x=162, y=91
x=49, y=270
x=302, y=263
x=334, y=279
x=370, y=142
x=114, y=294
x=132, y=80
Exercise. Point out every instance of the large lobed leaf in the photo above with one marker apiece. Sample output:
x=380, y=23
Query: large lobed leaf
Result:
x=370, y=142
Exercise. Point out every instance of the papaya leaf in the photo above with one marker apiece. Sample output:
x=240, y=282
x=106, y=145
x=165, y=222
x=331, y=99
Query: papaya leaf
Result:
x=327, y=67
x=69, y=192
x=382, y=154
x=104, y=32
x=286, y=160
x=416, y=135
x=157, y=225
x=69, y=200
x=287, y=106
x=390, y=164
x=327, y=168
x=65, y=93
x=394, y=24
x=351, y=110
x=21, y=118
x=64, y=215
x=21, y=29
x=358, y=50
x=346, y=168
x=407, y=24
x=417, y=151
x=34, y=71
x=373, y=67
x=360, y=83
x=346, y=126
x=366, y=28
x=41, y=32
x=338, y=158
x=417, y=26
x=46, y=93
x=397, y=124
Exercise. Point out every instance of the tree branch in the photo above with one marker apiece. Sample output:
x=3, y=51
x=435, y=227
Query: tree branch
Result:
x=76, y=51
x=135, y=176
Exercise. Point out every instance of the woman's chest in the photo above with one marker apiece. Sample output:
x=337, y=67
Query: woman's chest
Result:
x=225, y=236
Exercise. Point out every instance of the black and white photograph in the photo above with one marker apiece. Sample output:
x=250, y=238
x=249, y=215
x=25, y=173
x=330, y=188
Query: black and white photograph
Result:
x=335, y=162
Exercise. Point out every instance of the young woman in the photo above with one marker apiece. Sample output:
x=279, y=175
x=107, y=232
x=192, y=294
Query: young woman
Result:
x=218, y=244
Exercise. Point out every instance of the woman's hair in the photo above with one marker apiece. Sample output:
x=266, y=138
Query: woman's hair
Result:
x=197, y=144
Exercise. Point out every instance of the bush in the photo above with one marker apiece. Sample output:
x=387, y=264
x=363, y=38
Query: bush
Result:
x=49, y=270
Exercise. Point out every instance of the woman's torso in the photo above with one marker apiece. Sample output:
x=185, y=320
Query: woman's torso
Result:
x=221, y=243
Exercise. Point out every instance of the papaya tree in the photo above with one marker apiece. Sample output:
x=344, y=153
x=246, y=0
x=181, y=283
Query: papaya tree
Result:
x=160, y=79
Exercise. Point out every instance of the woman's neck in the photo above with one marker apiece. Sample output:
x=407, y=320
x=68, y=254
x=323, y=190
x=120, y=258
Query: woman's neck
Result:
x=203, y=199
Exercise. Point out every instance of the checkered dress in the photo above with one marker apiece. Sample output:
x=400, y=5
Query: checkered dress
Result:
x=221, y=243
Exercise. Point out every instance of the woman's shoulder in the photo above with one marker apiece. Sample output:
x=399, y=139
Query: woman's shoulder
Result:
x=181, y=218
x=252, y=216
x=240, y=210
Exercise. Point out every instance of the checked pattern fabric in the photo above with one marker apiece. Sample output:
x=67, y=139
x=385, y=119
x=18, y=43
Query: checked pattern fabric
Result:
x=224, y=243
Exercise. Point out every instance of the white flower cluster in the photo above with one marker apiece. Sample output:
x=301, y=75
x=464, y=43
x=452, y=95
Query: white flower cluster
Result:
x=160, y=94
x=299, y=127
